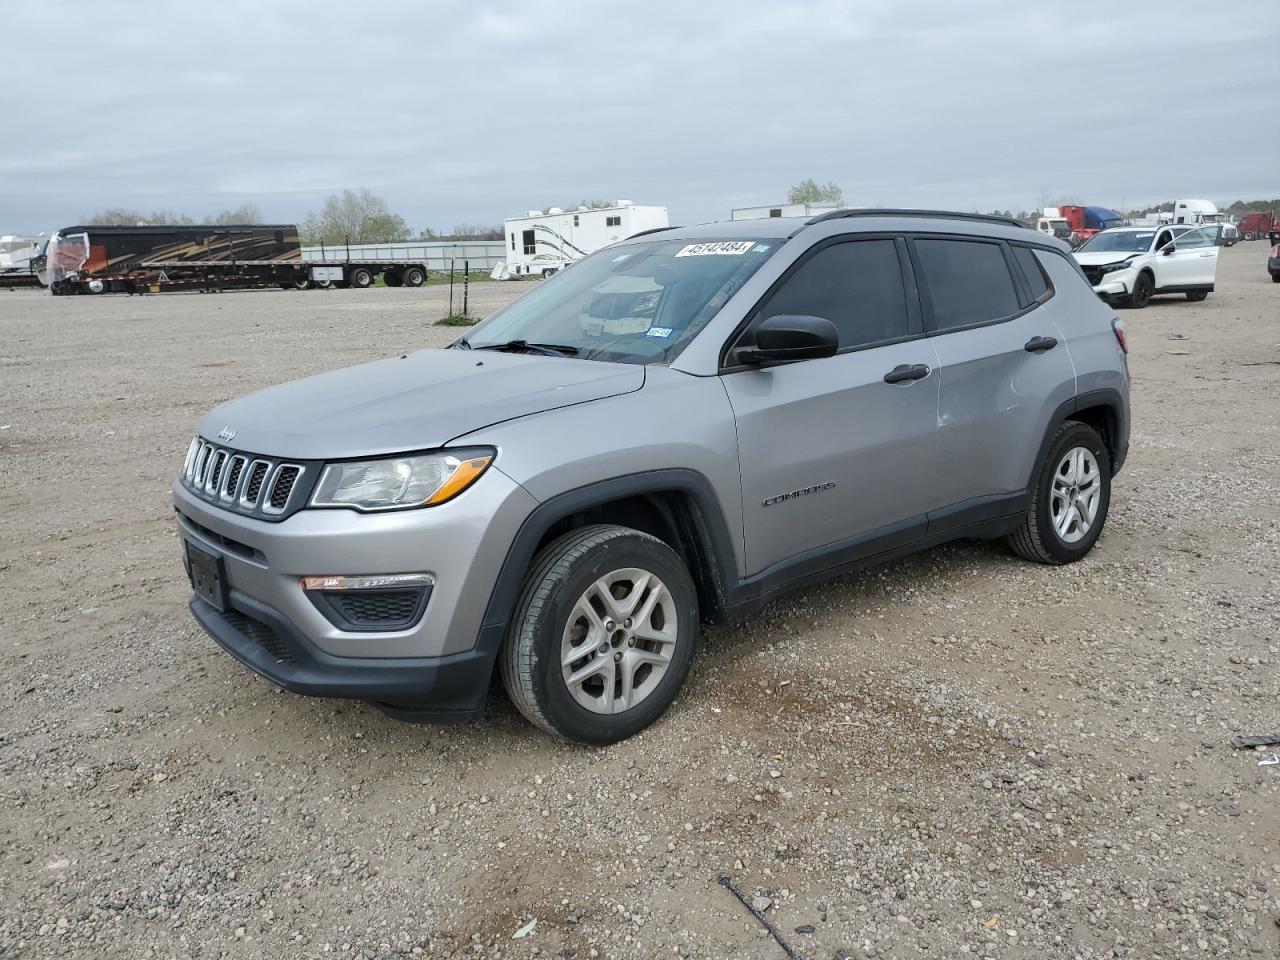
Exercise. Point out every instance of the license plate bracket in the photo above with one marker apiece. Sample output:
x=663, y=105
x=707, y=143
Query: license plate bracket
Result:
x=208, y=578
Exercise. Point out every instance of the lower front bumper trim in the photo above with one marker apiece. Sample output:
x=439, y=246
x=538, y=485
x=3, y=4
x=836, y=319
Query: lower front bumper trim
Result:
x=450, y=687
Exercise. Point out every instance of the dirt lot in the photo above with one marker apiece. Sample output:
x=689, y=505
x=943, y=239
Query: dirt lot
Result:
x=958, y=754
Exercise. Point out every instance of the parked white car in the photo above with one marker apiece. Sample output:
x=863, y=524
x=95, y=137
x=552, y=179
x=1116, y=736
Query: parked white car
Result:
x=1130, y=265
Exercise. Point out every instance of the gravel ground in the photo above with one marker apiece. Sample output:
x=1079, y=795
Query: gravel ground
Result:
x=959, y=754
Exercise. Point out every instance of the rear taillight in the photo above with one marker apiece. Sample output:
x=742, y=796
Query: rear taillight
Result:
x=1117, y=327
x=1275, y=251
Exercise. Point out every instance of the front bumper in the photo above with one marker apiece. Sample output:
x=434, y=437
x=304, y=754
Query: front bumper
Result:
x=273, y=627
x=1118, y=283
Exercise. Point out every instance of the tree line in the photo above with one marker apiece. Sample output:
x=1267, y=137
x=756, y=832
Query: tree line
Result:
x=350, y=216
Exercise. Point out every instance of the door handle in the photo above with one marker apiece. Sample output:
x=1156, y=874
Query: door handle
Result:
x=904, y=372
x=1040, y=344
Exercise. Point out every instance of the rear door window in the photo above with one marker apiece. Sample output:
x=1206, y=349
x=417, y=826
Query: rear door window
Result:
x=856, y=284
x=967, y=281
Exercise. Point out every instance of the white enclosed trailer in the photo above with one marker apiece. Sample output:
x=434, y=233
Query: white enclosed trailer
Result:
x=543, y=241
x=782, y=210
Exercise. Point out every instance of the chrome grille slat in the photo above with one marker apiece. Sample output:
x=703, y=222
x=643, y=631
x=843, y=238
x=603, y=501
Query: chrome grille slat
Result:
x=284, y=479
x=233, y=473
x=255, y=475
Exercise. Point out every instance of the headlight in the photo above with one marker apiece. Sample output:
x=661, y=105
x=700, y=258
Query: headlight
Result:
x=1113, y=267
x=399, y=483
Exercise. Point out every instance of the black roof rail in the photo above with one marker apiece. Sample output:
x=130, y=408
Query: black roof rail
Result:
x=645, y=233
x=929, y=214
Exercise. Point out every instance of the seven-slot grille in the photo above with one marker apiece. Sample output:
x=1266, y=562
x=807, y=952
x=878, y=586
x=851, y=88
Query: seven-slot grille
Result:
x=243, y=482
x=1093, y=274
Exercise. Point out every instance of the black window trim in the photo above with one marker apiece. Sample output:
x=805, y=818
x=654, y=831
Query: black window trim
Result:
x=1015, y=275
x=910, y=293
x=1049, y=290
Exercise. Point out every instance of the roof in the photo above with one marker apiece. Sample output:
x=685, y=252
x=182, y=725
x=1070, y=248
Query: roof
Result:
x=175, y=227
x=858, y=221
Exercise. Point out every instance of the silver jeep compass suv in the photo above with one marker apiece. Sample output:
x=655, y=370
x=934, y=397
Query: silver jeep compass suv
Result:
x=672, y=431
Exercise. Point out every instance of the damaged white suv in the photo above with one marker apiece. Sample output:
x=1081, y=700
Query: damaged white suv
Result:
x=1130, y=265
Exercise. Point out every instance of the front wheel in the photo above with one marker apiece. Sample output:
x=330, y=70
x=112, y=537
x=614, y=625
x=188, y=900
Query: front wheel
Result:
x=1071, y=498
x=602, y=636
x=360, y=277
x=1195, y=296
x=414, y=276
x=1143, y=288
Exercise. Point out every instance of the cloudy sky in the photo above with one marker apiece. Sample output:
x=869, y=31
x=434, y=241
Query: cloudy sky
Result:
x=468, y=112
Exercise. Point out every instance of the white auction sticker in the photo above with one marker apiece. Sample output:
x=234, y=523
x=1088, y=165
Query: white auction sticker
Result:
x=723, y=248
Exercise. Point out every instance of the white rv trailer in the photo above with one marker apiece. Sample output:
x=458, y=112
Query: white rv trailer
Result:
x=17, y=252
x=782, y=210
x=541, y=242
x=1195, y=211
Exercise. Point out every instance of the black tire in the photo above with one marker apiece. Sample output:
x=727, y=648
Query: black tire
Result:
x=548, y=273
x=360, y=277
x=1195, y=296
x=1037, y=539
x=531, y=654
x=392, y=279
x=1143, y=288
x=303, y=284
x=414, y=276
x=1275, y=278
x=1249, y=236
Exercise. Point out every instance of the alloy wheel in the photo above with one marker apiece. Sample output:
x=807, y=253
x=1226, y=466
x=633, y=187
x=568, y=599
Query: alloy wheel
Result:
x=619, y=640
x=1076, y=494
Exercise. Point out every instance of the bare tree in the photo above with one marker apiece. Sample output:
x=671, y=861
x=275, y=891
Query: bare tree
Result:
x=355, y=216
x=808, y=191
x=245, y=213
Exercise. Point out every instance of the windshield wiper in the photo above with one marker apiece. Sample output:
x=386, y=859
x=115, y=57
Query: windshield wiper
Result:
x=546, y=349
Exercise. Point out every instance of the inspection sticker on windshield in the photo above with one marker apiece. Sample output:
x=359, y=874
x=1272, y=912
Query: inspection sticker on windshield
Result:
x=722, y=248
x=658, y=332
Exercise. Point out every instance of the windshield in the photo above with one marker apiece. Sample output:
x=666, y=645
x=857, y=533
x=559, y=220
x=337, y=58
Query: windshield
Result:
x=1116, y=222
x=1122, y=241
x=639, y=303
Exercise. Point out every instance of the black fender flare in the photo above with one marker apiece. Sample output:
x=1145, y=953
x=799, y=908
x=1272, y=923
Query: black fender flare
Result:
x=1108, y=397
x=705, y=526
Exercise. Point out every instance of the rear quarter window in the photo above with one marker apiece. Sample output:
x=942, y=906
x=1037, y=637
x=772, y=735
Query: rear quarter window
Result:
x=968, y=282
x=1032, y=272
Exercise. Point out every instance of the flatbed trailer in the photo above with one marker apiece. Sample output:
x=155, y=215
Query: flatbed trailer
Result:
x=15, y=279
x=153, y=258
x=157, y=276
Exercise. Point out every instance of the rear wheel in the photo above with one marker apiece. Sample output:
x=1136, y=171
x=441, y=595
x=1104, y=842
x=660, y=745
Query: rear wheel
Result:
x=1195, y=296
x=414, y=276
x=548, y=273
x=302, y=284
x=360, y=277
x=1143, y=288
x=1071, y=498
x=392, y=279
x=1248, y=235
x=602, y=636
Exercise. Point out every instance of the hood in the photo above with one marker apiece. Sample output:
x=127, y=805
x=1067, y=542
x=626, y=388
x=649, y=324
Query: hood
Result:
x=1090, y=259
x=411, y=403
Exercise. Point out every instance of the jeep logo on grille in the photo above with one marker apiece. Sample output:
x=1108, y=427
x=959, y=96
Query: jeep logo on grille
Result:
x=226, y=434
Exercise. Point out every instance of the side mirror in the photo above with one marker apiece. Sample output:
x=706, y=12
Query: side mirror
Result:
x=788, y=337
x=1169, y=248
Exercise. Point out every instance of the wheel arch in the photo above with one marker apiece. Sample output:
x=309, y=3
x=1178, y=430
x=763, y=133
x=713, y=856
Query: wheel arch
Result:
x=678, y=506
x=1102, y=409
